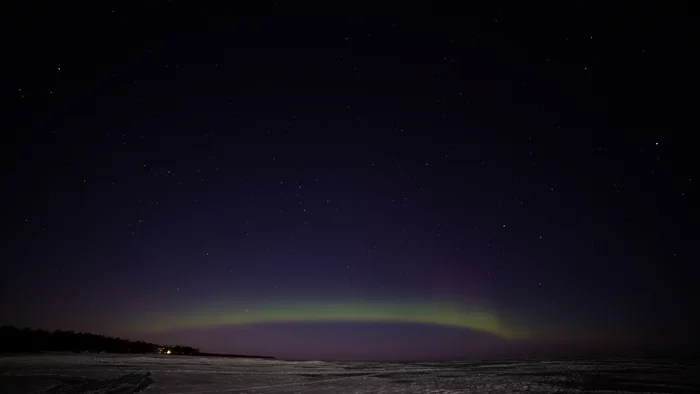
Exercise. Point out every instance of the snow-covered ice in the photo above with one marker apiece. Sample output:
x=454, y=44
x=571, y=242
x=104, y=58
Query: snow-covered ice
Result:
x=89, y=373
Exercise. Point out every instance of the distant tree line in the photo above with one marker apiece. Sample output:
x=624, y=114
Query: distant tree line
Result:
x=182, y=350
x=19, y=340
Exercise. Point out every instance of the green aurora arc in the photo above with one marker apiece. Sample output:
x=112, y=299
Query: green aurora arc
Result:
x=438, y=313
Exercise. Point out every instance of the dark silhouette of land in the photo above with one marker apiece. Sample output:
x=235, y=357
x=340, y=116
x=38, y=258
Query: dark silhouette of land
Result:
x=29, y=340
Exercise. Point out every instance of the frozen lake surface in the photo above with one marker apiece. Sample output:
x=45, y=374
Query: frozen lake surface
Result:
x=82, y=373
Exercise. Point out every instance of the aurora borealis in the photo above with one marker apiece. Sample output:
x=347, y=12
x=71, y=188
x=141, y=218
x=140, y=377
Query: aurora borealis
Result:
x=398, y=312
x=510, y=181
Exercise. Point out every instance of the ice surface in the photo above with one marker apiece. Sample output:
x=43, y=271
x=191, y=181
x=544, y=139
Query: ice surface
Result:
x=83, y=373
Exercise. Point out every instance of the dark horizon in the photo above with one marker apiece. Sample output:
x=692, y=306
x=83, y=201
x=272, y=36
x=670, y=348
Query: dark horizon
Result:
x=306, y=183
x=559, y=351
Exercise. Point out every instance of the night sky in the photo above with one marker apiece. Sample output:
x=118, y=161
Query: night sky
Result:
x=353, y=183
